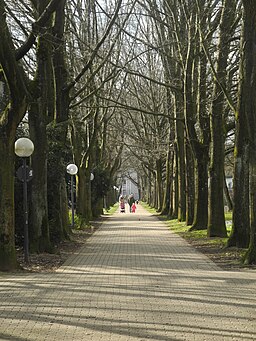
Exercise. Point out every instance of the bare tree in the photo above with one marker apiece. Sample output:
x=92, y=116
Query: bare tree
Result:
x=16, y=87
x=244, y=180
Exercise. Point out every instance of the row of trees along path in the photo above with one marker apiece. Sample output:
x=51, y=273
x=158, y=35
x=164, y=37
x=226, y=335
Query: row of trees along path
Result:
x=165, y=88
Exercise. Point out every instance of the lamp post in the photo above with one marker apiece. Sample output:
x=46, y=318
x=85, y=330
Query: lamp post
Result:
x=72, y=170
x=24, y=147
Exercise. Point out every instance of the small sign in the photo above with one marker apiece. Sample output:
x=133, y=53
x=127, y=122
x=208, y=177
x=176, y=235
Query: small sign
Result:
x=29, y=173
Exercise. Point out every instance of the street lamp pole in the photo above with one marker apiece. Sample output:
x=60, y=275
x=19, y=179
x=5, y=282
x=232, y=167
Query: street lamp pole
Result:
x=72, y=170
x=72, y=201
x=25, y=210
x=24, y=147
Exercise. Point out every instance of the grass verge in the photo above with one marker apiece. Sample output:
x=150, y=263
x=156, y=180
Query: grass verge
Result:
x=111, y=210
x=214, y=247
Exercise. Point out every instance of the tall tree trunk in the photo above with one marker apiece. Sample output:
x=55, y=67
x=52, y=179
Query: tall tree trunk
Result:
x=247, y=109
x=14, y=79
x=154, y=196
x=159, y=184
x=39, y=237
x=201, y=191
x=42, y=93
x=200, y=145
x=167, y=189
x=57, y=197
x=83, y=184
x=216, y=219
x=171, y=202
x=180, y=158
x=250, y=256
x=149, y=187
x=61, y=119
x=173, y=212
x=7, y=243
x=97, y=207
x=84, y=205
x=190, y=185
x=189, y=115
x=241, y=216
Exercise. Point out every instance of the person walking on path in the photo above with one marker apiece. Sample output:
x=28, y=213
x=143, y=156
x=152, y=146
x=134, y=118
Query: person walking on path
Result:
x=131, y=201
x=133, y=207
x=122, y=204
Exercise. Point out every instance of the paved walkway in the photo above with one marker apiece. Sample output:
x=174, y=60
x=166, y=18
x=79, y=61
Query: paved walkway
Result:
x=133, y=280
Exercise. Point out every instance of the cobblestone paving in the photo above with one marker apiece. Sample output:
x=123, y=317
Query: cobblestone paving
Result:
x=133, y=280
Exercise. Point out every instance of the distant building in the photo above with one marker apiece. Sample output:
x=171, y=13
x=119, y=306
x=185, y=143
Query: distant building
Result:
x=129, y=185
x=229, y=182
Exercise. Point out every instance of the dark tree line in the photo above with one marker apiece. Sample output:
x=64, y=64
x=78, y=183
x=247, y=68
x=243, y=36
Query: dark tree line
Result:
x=156, y=86
x=206, y=76
x=56, y=99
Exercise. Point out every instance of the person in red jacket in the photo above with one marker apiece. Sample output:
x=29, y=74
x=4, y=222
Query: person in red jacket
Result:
x=133, y=207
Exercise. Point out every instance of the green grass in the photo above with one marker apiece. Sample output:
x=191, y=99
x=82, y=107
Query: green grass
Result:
x=111, y=210
x=228, y=215
x=79, y=222
x=214, y=247
x=148, y=208
x=198, y=236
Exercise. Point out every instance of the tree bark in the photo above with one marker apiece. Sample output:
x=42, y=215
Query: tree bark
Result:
x=167, y=189
x=172, y=175
x=10, y=118
x=201, y=192
x=189, y=115
x=159, y=184
x=200, y=144
x=240, y=233
x=42, y=92
x=84, y=205
x=173, y=212
x=190, y=184
x=181, y=173
x=247, y=110
x=39, y=235
x=60, y=119
x=7, y=244
x=216, y=219
x=250, y=256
